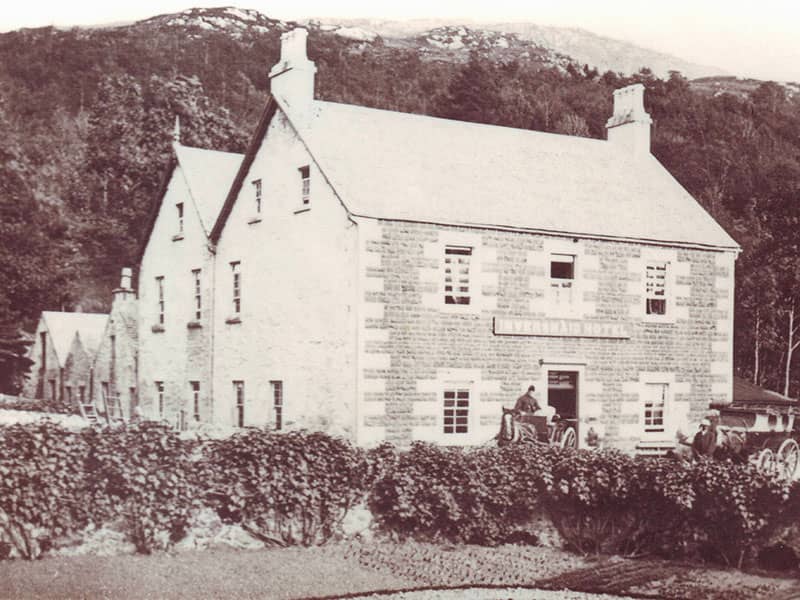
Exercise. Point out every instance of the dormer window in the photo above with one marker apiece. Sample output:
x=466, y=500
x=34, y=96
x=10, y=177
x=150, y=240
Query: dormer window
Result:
x=257, y=195
x=305, y=177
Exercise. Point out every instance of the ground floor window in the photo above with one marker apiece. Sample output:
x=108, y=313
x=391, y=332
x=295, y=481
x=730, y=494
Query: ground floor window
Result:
x=69, y=394
x=277, y=403
x=160, y=398
x=456, y=410
x=53, y=390
x=655, y=406
x=195, y=400
x=238, y=390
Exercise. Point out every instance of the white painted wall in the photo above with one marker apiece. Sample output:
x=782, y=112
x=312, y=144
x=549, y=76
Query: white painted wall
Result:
x=178, y=354
x=298, y=281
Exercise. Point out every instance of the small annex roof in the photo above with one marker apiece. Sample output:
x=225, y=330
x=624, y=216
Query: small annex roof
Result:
x=208, y=175
x=748, y=394
x=399, y=166
x=63, y=326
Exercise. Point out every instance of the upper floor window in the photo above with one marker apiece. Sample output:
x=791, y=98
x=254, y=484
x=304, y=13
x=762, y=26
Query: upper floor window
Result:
x=457, y=261
x=656, y=288
x=655, y=406
x=160, y=292
x=198, y=296
x=277, y=403
x=43, y=344
x=238, y=390
x=305, y=178
x=179, y=207
x=257, y=195
x=237, y=287
x=456, y=410
x=562, y=278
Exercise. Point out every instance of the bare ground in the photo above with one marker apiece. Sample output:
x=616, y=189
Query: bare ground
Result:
x=361, y=569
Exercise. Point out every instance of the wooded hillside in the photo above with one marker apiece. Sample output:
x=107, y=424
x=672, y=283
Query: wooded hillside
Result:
x=87, y=117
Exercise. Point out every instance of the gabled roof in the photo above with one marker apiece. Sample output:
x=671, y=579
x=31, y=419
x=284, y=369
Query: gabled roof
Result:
x=208, y=175
x=393, y=165
x=63, y=326
x=400, y=166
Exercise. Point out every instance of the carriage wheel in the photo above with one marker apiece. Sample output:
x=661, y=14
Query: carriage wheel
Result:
x=766, y=463
x=568, y=438
x=789, y=458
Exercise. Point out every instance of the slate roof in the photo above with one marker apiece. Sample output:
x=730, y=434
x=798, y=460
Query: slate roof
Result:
x=64, y=325
x=748, y=394
x=208, y=175
x=394, y=165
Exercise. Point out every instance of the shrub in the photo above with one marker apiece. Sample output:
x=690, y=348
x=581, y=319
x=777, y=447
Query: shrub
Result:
x=592, y=499
x=736, y=509
x=292, y=488
x=481, y=496
x=142, y=473
x=41, y=486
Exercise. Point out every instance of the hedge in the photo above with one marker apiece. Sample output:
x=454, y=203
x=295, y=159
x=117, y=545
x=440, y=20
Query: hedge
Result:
x=600, y=501
x=297, y=487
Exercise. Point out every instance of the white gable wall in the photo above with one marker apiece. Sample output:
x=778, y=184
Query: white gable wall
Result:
x=179, y=353
x=297, y=319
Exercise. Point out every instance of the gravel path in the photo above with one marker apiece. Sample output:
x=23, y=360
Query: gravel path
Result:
x=496, y=594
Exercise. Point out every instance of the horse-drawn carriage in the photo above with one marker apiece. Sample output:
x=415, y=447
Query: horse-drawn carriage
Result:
x=544, y=427
x=764, y=436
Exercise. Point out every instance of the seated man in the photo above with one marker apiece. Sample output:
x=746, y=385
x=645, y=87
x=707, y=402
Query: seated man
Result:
x=527, y=403
x=705, y=440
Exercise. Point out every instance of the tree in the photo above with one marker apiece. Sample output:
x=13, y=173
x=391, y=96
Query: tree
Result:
x=472, y=94
x=14, y=362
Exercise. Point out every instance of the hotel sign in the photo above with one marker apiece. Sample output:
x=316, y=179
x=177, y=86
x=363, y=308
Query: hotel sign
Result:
x=562, y=328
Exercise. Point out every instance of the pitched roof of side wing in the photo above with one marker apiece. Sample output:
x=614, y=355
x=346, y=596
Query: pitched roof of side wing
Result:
x=64, y=325
x=208, y=175
x=401, y=166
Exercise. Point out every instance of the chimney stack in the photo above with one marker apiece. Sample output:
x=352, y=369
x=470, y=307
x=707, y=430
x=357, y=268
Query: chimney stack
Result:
x=629, y=126
x=125, y=289
x=292, y=79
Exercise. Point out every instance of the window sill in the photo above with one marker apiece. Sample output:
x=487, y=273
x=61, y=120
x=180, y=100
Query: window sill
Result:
x=666, y=319
x=177, y=236
x=254, y=220
x=157, y=328
x=194, y=325
x=302, y=209
x=233, y=320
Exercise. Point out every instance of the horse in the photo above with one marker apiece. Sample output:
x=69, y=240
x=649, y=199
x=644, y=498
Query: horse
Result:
x=513, y=431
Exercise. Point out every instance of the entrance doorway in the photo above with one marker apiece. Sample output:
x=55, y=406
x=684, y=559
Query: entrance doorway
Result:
x=562, y=395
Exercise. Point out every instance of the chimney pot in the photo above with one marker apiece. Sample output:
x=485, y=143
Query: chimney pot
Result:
x=125, y=280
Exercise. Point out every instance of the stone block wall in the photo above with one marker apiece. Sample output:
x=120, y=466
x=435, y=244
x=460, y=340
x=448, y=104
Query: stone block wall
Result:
x=412, y=345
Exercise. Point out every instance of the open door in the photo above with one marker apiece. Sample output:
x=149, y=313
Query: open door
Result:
x=562, y=395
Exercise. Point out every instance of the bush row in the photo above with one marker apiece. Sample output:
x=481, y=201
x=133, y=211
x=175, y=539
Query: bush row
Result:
x=296, y=488
x=600, y=501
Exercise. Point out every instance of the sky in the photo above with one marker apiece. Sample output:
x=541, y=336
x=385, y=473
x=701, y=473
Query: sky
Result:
x=745, y=38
